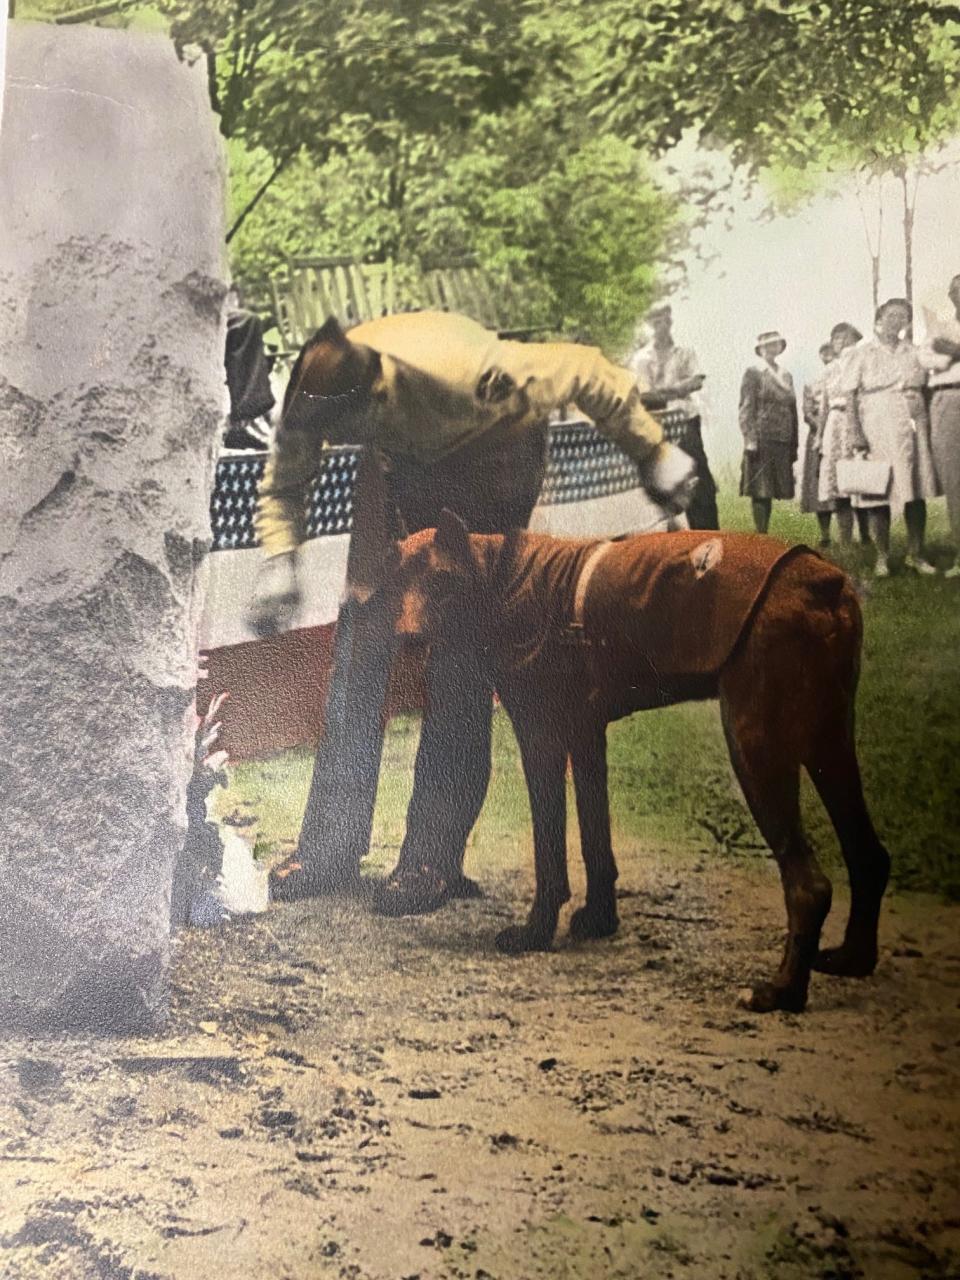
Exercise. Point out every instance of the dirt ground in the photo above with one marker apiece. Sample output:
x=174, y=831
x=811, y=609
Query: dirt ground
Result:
x=344, y=1096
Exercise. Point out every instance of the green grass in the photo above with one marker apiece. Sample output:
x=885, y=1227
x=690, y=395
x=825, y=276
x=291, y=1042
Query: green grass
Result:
x=670, y=779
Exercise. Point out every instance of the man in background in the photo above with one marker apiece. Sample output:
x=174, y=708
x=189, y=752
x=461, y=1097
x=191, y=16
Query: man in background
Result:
x=940, y=354
x=248, y=378
x=673, y=372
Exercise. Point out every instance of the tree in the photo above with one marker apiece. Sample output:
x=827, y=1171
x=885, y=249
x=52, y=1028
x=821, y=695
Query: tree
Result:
x=834, y=85
x=343, y=73
x=410, y=131
x=582, y=230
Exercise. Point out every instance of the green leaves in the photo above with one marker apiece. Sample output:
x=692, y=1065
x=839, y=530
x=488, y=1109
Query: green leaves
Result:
x=517, y=132
x=730, y=68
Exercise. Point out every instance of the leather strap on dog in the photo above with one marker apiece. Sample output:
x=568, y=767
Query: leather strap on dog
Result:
x=574, y=632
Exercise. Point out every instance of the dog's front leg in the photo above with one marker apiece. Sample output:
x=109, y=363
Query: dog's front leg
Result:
x=544, y=765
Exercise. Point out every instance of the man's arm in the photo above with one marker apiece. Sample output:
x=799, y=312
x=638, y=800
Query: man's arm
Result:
x=690, y=379
x=280, y=522
x=280, y=519
x=565, y=373
x=938, y=353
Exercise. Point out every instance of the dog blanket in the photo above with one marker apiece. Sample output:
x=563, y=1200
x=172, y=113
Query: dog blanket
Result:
x=677, y=601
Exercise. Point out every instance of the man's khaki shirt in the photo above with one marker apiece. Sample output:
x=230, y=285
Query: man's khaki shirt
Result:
x=446, y=381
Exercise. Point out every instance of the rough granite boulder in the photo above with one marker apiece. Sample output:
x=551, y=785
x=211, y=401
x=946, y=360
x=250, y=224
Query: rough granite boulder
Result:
x=111, y=396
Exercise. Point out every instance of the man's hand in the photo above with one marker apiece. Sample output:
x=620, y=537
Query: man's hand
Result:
x=670, y=478
x=691, y=385
x=681, y=498
x=944, y=347
x=276, y=601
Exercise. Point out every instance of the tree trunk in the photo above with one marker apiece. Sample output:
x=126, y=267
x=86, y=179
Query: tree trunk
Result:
x=213, y=89
x=258, y=195
x=874, y=247
x=875, y=279
x=909, y=208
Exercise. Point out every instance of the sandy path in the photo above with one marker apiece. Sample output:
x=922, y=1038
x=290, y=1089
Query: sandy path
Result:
x=344, y=1096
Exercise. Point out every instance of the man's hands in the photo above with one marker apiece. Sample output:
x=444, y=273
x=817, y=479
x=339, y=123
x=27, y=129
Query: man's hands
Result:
x=277, y=599
x=678, y=391
x=682, y=496
x=670, y=478
x=691, y=385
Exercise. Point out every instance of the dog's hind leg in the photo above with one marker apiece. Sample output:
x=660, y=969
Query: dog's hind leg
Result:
x=772, y=789
x=836, y=775
x=598, y=917
x=544, y=765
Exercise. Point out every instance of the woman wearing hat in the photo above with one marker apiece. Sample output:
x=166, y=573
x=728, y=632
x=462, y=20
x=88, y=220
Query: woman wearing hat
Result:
x=770, y=426
x=834, y=437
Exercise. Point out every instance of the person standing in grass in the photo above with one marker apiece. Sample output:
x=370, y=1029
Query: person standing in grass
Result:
x=810, y=501
x=673, y=373
x=883, y=382
x=769, y=423
x=833, y=443
x=941, y=356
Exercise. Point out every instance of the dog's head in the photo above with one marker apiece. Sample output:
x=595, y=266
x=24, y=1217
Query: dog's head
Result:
x=441, y=586
x=333, y=387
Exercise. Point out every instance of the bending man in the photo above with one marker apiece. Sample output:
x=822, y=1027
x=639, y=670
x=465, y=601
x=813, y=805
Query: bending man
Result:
x=459, y=419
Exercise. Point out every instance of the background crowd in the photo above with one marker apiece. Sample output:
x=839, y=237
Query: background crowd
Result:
x=882, y=422
x=882, y=427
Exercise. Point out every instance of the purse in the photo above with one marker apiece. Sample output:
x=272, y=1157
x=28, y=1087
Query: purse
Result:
x=863, y=477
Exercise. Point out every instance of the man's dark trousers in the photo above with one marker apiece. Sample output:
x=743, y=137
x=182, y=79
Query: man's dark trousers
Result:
x=493, y=487
x=702, y=512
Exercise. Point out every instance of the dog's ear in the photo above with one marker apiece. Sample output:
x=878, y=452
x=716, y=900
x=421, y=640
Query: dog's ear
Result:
x=453, y=538
x=331, y=332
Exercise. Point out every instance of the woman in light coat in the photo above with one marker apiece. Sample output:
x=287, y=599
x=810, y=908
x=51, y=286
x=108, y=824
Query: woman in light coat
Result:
x=883, y=383
x=833, y=442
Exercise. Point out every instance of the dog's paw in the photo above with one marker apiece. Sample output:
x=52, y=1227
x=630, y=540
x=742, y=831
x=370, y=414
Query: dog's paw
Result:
x=845, y=962
x=766, y=997
x=586, y=923
x=519, y=938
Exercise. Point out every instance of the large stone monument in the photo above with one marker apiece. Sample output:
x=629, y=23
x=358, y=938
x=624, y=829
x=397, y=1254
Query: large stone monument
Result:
x=111, y=391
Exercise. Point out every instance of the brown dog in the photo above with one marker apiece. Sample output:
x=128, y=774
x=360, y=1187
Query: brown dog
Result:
x=579, y=633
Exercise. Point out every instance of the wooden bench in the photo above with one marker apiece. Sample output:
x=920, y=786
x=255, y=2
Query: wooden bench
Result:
x=312, y=289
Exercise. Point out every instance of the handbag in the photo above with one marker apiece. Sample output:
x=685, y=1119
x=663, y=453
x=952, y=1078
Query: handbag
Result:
x=863, y=477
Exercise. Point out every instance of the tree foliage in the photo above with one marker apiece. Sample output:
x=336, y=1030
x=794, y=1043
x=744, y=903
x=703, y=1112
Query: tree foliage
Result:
x=520, y=133
x=800, y=91
x=583, y=230
x=411, y=131
x=764, y=78
x=286, y=75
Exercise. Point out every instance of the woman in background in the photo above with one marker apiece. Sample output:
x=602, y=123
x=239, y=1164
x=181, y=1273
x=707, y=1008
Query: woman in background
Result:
x=883, y=383
x=811, y=400
x=770, y=426
x=834, y=440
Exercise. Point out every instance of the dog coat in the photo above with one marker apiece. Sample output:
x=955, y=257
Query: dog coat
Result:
x=679, y=601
